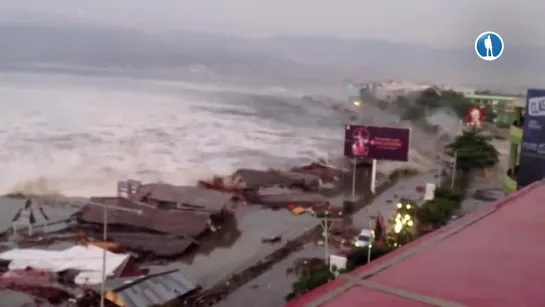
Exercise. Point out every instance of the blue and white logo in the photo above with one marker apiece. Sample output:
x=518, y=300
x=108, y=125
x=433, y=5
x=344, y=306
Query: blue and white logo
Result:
x=489, y=46
x=536, y=106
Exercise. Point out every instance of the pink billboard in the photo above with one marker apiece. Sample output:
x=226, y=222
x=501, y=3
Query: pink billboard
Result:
x=374, y=142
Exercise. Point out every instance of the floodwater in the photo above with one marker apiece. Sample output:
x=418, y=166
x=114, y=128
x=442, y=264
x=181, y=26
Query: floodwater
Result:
x=270, y=288
x=79, y=135
x=386, y=202
x=254, y=224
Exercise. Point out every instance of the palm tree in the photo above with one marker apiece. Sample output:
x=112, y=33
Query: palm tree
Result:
x=473, y=151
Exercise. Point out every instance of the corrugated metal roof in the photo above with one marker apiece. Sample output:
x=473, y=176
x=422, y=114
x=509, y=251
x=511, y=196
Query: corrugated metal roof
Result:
x=151, y=290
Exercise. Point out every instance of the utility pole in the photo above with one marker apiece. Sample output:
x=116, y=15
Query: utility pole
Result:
x=105, y=209
x=325, y=221
x=370, y=242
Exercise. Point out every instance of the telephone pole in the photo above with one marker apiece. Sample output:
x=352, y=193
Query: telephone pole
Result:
x=326, y=220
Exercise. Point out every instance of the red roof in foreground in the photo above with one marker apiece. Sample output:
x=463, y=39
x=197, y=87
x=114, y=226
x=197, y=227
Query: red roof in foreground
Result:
x=492, y=257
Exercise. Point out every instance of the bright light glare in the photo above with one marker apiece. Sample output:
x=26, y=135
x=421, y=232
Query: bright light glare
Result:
x=397, y=227
x=399, y=205
x=357, y=103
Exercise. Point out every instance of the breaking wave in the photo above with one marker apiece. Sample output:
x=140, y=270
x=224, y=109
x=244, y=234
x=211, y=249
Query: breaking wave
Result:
x=78, y=136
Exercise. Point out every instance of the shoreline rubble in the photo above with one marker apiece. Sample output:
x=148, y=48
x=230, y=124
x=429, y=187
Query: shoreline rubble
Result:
x=175, y=219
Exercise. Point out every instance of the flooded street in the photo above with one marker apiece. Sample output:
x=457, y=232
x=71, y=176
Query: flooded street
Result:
x=270, y=288
x=386, y=202
x=254, y=224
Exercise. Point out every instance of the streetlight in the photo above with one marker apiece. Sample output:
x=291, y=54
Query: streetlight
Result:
x=370, y=242
x=325, y=221
x=105, y=238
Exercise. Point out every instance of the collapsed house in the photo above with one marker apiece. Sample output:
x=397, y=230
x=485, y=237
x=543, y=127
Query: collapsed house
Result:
x=56, y=276
x=84, y=261
x=326, y=172
x=166, y=196
x=170, y=288
x=26, y=217
x=171, y=220
x=277, y=197
x=157, y=231
x=249, y=179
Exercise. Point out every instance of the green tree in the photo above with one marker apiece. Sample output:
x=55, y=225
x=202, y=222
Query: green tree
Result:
x=473, y=151
x=315, y=278
x=457, y=103
x=431, y=99
x=358, y=256
x=452, y=194
x=436, y=212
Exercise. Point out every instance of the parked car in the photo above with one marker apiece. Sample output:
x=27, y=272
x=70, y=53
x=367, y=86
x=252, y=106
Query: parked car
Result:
x=364, y=238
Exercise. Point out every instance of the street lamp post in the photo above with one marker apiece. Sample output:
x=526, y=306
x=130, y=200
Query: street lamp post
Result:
x=325, y=221
x=371, y=242
x=105, y=209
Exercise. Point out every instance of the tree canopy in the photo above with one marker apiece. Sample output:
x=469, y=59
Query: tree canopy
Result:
x=431, y=99
x=473, y=151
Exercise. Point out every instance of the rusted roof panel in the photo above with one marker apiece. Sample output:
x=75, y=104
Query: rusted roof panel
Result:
x=159, y=245
x=184, y=195
x=175, y=222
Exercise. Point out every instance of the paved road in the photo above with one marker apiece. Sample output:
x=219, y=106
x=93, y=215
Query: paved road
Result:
x=269, y=289
x=254, y=224
x=477, y=182
x=386, y=202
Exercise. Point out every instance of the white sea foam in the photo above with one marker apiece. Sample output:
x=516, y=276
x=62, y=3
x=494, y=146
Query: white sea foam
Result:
x=78, y=136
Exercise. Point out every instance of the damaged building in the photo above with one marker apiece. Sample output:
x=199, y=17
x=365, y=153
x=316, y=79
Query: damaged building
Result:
x=277, y=197
x=250, y=179
x=170, y=288
x=156, y=231
x=167, y=196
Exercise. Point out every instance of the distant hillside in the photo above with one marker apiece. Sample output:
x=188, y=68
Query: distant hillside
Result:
x=518, y=65
x=294, y=58
x=128, y=49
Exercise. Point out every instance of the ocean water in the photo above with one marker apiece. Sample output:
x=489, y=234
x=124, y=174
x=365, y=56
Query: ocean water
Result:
x=78, y=135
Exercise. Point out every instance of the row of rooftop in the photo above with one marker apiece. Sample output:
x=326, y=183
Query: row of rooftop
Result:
x=146, y=222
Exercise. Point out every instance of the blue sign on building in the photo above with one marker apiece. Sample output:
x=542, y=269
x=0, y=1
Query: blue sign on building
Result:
x=532, y=151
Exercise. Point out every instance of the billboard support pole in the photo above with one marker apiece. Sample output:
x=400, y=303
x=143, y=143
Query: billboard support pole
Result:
x=354, y=161
x=373, y=175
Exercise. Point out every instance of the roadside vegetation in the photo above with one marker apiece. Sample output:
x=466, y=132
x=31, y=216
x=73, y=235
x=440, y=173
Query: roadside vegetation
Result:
x=473, y=151
x=430, y=100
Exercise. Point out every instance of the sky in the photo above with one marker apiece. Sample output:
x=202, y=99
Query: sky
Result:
x=434, y=22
